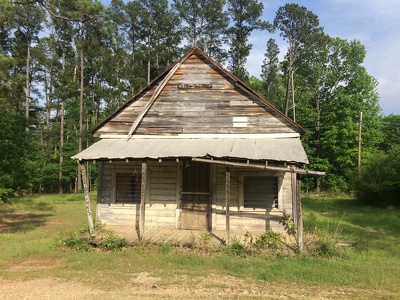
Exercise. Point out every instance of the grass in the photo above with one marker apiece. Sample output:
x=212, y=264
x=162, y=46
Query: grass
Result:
x=31, y=227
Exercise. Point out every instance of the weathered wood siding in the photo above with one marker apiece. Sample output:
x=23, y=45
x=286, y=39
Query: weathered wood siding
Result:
x=161, y=205
x=199, y=98
x=242, y=219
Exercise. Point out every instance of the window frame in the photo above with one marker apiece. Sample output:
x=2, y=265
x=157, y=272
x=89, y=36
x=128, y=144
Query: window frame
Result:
x=114, y=187
x=242, y=175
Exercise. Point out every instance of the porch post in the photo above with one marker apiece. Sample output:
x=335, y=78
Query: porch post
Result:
x=299, y=217
x=87, y=198
x=142, y=200
x=296, y=207
x=294, y=198
x=227, y=201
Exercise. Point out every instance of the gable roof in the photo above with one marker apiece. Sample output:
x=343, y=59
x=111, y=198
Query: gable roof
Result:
x=197, y=109
x=158, y=84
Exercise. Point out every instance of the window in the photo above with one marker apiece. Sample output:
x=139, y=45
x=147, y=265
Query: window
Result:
x=260, y=192
x=128, y=187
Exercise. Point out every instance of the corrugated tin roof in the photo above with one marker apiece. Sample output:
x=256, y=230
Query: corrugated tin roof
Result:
x=277, y=149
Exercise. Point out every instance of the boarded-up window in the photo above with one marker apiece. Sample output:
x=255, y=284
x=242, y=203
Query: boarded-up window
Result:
x=128, y=188
x=261, y=192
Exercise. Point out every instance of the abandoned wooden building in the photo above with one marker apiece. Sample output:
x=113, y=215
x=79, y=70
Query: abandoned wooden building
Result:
x=197, y=149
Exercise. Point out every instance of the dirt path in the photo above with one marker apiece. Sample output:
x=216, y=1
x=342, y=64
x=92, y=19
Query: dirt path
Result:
x=144, y=286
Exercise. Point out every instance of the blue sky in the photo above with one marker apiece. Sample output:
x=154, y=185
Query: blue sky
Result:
x=375, y=23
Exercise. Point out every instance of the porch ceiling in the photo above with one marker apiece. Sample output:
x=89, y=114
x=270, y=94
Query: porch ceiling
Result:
x=276, y=149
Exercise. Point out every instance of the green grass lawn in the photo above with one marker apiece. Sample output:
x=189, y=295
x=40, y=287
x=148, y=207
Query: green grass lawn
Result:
x=32, y=227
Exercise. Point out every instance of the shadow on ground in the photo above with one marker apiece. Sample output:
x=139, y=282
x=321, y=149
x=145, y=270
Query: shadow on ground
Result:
x=25, y=215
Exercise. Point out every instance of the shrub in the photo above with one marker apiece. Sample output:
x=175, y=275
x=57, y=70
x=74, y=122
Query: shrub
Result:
x=269, y=239
x=379, y=181
x=5, y=195
x=112, y=244
x=236, y=248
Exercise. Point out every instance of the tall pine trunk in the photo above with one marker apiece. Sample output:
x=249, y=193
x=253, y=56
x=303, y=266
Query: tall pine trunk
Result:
x=79, y=178
x=27, y=81
x=60, y=173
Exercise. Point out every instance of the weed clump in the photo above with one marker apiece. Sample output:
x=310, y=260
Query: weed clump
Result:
x=82, y=241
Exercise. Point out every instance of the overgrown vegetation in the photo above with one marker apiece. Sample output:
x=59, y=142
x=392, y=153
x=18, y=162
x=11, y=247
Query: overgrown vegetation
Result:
x=379, y=180
x=346, y=244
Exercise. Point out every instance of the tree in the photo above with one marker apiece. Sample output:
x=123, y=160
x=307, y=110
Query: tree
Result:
x=334, y=88
x=15, y=147
x=204, y=23
x=270, y=74
x=391, y=132
x=28, y=20
x=245, y=17
x=136, y=76
x=300, y=28
x=379, y=181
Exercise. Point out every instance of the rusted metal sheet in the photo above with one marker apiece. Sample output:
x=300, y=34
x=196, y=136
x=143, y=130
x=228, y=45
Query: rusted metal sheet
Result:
x=276, y=149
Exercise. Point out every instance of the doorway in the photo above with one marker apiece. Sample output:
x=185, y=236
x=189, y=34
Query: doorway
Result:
x=196, y=196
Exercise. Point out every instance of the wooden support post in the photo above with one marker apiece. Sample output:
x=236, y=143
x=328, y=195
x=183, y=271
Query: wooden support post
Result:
x=87, y=198
x=299, y=217
x=227, y=202
x=294, y=198
x=142, y=200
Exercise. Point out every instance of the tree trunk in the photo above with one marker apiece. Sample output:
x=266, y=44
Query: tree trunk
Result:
x=60, y=173
x=87, y=199
x=27, y=81
x=289, y=78
x=80, y=115
x=148, y=59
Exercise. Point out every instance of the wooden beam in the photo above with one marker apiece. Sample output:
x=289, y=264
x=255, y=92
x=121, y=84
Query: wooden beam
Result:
x=142, y=201
x=259, y=166
x=227, y=202
x=87, y=198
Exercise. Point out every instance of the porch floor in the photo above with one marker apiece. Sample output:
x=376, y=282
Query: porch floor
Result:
x=178, y=237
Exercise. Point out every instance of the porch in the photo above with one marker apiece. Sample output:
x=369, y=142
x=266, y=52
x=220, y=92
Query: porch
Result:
x=181, y=238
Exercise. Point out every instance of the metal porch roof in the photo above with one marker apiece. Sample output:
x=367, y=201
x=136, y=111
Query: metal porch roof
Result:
x=276, y=149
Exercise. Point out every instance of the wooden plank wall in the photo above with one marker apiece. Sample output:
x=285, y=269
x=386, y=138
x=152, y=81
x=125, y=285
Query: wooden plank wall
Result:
x=198, y=99
x=244, y=219
x=161, y=205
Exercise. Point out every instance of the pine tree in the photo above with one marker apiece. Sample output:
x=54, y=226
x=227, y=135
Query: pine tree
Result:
x=245, y=16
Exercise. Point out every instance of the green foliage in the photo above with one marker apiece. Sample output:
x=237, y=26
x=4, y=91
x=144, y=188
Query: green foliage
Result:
x=236, y=248
x=15, y=149
x=245, y=18
x=391, y=132
x=269, y=239
x=165, y=247
x=79, y=241
x=379, y=181
x=77, y=244
x=5, y=195
x=289, y=225
x=112, y=244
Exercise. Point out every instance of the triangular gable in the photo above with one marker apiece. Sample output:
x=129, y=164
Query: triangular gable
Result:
x=196, y=95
